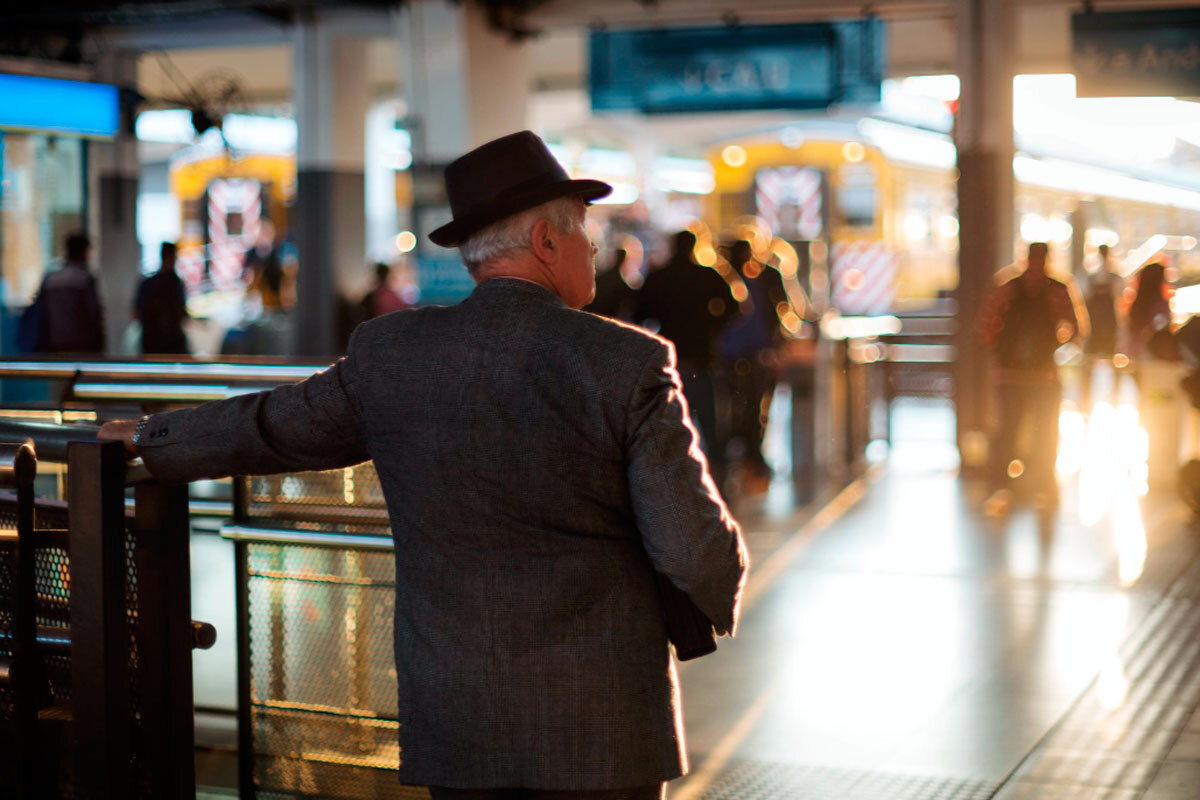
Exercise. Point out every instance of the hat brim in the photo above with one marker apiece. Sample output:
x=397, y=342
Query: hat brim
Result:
x=457, y=231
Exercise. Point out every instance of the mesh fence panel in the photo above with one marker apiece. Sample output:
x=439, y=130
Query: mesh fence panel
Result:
x=52, y=584
x=338, y=497
x=323, y=679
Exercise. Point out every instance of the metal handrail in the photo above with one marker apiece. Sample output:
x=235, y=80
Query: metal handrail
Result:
x=99, y=370
x=256, y=535
x=50, y=441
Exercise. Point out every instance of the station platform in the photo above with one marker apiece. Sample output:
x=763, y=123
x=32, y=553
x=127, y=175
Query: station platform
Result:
x=899, y=643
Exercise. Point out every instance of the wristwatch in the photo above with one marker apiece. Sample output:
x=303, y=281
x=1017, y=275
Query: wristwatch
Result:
x=140, y=429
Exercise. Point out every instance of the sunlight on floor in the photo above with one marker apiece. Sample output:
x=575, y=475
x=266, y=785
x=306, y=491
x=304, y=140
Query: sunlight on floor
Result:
x=1105, y=455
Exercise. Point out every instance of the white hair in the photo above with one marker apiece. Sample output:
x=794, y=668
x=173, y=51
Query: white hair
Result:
x=512, y=234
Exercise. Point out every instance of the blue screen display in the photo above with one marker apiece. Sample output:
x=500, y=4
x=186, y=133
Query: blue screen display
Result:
x=50, y=104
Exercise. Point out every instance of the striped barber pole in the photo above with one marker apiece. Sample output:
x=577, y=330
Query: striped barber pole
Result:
x=863, y=276
x=226, y=249
x=788, y=199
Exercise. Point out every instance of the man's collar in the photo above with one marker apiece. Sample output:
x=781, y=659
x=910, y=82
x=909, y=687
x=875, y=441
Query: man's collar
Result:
x=512, y=286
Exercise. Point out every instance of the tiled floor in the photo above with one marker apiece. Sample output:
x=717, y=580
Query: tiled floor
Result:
x=915, y=648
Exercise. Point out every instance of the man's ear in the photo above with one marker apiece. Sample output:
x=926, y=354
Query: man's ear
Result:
x=542, y=241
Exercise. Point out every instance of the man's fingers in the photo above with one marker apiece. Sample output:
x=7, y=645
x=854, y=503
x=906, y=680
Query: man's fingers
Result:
x=121, y=430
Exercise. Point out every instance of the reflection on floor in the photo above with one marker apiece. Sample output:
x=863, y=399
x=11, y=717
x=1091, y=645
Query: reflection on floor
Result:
x=907, y=646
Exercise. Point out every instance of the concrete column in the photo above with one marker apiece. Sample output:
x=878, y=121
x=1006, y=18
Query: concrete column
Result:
x=330, y=99
x=984, y=136
x=112, y=205
x=465, y=84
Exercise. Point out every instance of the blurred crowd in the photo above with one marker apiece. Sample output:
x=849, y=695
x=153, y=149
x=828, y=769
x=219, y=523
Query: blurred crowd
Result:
x=727, y=321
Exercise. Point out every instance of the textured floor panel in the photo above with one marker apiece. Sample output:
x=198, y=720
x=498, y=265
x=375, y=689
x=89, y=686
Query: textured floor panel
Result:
x=1135, y=728
x=758, y=780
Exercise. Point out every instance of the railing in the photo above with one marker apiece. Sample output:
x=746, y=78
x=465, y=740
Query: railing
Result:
x=315, y=582
x=96, y=632
x=183, y=382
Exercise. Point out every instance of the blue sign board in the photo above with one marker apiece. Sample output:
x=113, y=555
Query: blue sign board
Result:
x=737, y=68
x=1137, y=53
x=443, y=280
x=49, y=104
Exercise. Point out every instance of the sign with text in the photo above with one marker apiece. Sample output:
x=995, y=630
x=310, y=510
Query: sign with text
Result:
x=737, y=68
x=1137, y=53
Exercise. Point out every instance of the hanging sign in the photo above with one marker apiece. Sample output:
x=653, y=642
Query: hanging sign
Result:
x=29, y=103
x=737, y=68
x=1137, y=53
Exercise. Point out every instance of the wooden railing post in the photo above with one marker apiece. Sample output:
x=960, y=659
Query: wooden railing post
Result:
x=165, y=632
x=99, y=631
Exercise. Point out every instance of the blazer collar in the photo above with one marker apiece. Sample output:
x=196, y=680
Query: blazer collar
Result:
x=515, y=290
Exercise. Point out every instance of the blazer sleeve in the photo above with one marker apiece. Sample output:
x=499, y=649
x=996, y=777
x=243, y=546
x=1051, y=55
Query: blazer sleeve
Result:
x=686, y=529
x=310, y=425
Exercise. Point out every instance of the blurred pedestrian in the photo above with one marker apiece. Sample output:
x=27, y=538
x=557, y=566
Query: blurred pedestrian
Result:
x=1104, y=297
x=689, y=304
x=263, y=267
x=748, y=348
x=382, y=298
x=615, y=298
x=1150, y=309
x=539, y=471
x=72, y=319
x=1027, y=318
x=161, y=307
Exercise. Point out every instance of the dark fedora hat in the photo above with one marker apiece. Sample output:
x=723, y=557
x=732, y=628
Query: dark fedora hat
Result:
x=504, y=177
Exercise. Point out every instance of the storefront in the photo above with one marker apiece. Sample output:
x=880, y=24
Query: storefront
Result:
x=45, y=125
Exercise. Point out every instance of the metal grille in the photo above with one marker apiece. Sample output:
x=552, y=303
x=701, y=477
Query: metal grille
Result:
x=6, y=595
x=52, y=581
x=759, y=780
x=323, y=680
x=350, y=496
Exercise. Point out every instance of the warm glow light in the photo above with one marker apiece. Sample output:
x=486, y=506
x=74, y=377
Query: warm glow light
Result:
x=948, y=227
x=733, y=155
x=1129, y=536
x=706, y=255
x=916, y=227
x=1061, y=231
x=1034, y=228
x=853, y=151
x=406, y=241
x=1016, y=468
x=1098, y=236
x=1112, y=686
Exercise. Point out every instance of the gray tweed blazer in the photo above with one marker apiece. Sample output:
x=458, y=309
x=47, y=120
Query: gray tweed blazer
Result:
x=536, y=462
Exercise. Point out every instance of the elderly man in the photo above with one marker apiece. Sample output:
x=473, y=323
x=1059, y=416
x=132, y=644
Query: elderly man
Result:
x=539, y=467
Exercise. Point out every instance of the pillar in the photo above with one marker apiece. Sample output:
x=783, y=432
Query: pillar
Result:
x=984, y=137
x=330, y=99
x=465, y=84
x=112, y=203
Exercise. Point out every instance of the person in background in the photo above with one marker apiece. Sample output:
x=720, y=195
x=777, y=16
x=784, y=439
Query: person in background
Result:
x=381, y=298
x=748, y=347
x=1104, y=297
x=161, y=307
x=1150, y=309
x=263, y=267
x=689, y=304
x=72, y=317
x=615, y=298
x=1028, y=316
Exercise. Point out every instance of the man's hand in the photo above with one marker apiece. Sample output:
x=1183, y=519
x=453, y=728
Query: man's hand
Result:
x=120, y=430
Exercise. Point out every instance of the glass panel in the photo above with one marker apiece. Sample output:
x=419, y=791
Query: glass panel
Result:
x=41, y=201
